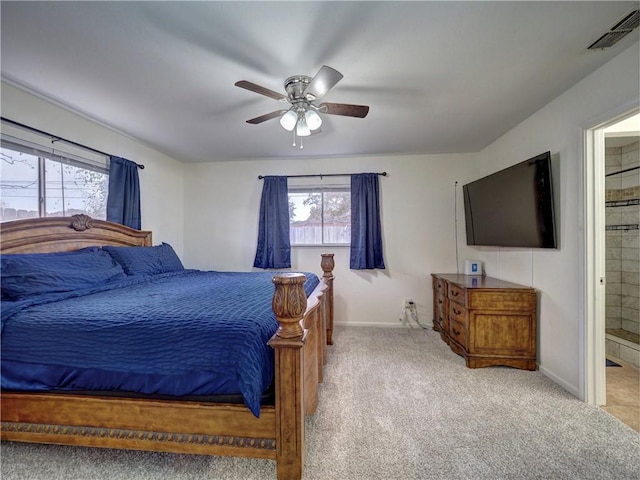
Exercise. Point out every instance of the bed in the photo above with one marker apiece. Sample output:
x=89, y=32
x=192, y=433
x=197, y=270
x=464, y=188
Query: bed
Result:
x=182, y=420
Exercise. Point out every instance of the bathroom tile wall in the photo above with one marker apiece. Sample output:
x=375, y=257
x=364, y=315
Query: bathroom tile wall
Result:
x=623, y=245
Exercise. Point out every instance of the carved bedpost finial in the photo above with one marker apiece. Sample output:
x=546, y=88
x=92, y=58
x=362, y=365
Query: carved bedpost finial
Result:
x=327, y=264
x=289, y=303
x=81, y=222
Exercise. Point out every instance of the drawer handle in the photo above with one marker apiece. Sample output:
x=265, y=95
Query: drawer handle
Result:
x=457, y=312
x=456, y=332
x=454, y=293
x=440, y=301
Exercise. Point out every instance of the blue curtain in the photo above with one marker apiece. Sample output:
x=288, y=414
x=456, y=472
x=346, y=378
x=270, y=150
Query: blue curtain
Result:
x=123, y=201
x=366, y=232
x=274, y=246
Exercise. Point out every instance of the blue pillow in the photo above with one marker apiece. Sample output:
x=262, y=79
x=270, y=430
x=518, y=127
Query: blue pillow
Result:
x=30, y=274
x=146, y=260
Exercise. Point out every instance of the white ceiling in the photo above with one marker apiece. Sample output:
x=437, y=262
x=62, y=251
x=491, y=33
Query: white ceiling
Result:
x=439, y=77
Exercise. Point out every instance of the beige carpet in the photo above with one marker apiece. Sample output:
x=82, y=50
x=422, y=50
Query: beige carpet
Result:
x=397, y=404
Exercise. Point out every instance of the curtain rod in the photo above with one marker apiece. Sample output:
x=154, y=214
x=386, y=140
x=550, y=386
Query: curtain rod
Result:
x=384, y=174
x=55, y=138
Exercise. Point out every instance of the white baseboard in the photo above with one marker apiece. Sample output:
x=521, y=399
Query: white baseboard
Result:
x=572, y=389
x=370, y=324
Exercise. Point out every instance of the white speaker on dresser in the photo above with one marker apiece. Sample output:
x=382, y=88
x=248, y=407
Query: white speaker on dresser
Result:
x=472, y=267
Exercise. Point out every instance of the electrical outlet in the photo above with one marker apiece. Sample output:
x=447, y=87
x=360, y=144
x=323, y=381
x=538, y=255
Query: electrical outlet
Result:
x=408, y=303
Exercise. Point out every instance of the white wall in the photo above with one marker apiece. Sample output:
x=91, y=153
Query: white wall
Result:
x=161, y=182
x=559, y=127
x=417, y=201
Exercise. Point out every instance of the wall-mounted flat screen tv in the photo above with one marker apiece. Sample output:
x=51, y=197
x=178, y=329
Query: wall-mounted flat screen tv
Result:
x=512, y=207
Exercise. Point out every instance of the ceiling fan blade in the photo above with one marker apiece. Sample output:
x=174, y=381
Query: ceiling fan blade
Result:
x=261, y=90
x=268, y=116
x=324, y=80
x=345, y=109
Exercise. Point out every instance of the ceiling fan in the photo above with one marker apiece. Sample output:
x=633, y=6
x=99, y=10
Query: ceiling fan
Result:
x=303, y=116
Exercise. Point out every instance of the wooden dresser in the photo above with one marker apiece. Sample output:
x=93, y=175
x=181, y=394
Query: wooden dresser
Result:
x=486, y=320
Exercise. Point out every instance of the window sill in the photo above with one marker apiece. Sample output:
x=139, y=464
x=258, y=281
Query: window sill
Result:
x=324, y=245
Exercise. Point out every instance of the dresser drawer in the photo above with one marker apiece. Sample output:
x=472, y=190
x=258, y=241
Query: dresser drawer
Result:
x=458, y=333
x=514, y=300
x=442, y=318
x=458, y=294
x=440, y=286
x=458, y=313
x=441, y=301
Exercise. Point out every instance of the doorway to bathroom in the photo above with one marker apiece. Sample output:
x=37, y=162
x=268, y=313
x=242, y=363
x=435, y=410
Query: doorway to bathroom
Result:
x=612, y=266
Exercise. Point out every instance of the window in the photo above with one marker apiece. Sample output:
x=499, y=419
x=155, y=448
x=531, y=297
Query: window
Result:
x=320, y=215
x=37, y=183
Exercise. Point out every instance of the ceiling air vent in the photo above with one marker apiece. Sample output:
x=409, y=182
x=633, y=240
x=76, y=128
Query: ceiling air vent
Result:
x=620, y=30
x=629, y=22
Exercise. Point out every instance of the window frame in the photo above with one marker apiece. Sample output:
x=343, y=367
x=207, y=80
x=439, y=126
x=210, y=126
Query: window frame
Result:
x=35, y=146
x=310, y=189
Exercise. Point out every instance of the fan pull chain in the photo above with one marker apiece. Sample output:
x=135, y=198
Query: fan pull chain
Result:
x=294, y=137
x=301, y=145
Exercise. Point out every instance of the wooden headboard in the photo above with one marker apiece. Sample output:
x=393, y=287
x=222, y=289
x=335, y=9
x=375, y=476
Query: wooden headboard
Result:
x=62, y=234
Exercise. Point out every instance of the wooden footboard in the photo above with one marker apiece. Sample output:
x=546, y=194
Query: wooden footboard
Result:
x=181, y=426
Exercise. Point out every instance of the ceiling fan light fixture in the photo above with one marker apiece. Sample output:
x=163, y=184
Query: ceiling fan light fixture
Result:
x=302, y=129
x=304, y=116
x=289, y=120
x=312, y=119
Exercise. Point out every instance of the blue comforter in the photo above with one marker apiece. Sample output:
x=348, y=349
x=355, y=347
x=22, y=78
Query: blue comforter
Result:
x=180, y=333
